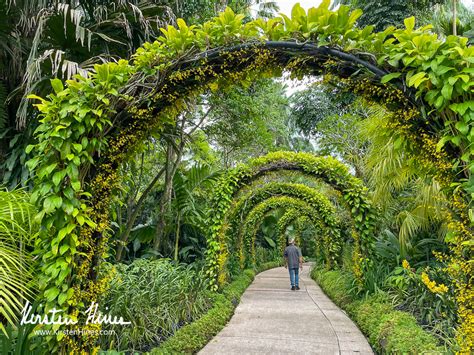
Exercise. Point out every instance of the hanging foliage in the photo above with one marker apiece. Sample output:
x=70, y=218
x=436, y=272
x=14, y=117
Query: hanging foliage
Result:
x=298, y=218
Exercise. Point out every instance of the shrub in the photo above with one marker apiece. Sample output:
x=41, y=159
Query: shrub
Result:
x=388, y=330
x=423, y=292
x=336, y=285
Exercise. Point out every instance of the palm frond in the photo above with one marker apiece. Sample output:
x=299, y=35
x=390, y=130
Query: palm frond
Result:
x=17, y=230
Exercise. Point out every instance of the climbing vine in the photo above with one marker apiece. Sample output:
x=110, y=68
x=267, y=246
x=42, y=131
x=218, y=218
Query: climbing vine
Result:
x=91, y=126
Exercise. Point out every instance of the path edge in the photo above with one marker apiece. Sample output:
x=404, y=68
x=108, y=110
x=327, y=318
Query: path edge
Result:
x=194, y=336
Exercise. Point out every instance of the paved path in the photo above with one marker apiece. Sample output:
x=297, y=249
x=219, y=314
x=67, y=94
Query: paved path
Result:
x=272, y=319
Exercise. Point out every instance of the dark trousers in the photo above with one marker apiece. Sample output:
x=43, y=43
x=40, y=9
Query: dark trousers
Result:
x=294, y=276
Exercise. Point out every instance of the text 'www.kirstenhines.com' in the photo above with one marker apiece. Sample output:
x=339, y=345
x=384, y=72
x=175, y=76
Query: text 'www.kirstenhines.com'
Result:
x=74, y=332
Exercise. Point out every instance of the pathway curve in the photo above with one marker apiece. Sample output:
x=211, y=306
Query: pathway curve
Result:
x=272, y=319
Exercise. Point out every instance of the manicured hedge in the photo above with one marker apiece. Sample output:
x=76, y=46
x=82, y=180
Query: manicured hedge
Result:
x=388, y=330
x=192, y=337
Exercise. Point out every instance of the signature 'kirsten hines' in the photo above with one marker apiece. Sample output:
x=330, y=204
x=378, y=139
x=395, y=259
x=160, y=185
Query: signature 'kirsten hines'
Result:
x=94, y=316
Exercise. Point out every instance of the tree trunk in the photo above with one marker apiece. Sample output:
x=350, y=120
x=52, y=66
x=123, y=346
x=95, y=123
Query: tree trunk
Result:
x=455, y=32
x=165, y=198
x=134, y=215
x=176, y=243
x=173, y=159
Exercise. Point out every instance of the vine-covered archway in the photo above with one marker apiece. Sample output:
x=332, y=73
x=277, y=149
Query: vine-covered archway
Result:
x=92, y=125
x=225, y=219
x=257, y=208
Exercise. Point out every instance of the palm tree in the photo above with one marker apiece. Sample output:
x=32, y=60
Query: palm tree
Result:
x=453, y=19
x=186, y=189
x=267, y=9
x=406, y=194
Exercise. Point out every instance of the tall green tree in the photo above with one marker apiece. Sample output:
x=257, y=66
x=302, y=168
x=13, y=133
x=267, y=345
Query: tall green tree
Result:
x=246, y=122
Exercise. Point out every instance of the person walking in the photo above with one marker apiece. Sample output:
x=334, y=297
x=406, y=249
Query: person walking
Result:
x=293, y=258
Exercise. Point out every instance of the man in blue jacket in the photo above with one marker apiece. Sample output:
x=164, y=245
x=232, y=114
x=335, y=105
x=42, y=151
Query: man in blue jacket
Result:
x=293, y=259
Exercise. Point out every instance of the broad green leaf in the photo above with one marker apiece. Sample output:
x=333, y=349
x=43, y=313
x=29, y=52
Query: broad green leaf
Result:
x=57, y=85
x=409, y=23
x=447, y=91
x=417, y=79
x=51, y=293
x=388, y=77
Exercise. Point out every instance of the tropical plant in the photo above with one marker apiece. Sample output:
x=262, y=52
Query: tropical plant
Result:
x=442, y=18
x=424, y=293
x=188, y=186
x=44, y=39
x=158, y=297
x=17, y=236
x=387, y=12
x=20, y=339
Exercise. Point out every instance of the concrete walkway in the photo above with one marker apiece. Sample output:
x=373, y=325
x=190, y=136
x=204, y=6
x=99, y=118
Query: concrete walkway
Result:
x=272, y=319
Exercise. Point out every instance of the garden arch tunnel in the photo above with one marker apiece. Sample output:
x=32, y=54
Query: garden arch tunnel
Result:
x=330, y=236
x=92, y=125
x=319, y=206
x=330, y=171
x=242, y=247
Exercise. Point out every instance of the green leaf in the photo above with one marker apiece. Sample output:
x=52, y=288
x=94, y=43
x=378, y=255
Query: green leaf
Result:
x=409, y=23
x=388, y=77
x=57, y=177
x=32, y=96
x=77, y=147
x=80, y=219
x=62, y=298
x=52, y=202
x=51, y=293
x=63, y=249
x=462, y=107
x=462, y=127
x=447, y=91
x=29, y=148
x=57, y=85
x=76, y=185
x=417, y=79
x=297, y=11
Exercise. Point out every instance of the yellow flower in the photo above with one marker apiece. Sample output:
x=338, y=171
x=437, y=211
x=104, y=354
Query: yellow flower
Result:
x=406, y=264
x=441, y=288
